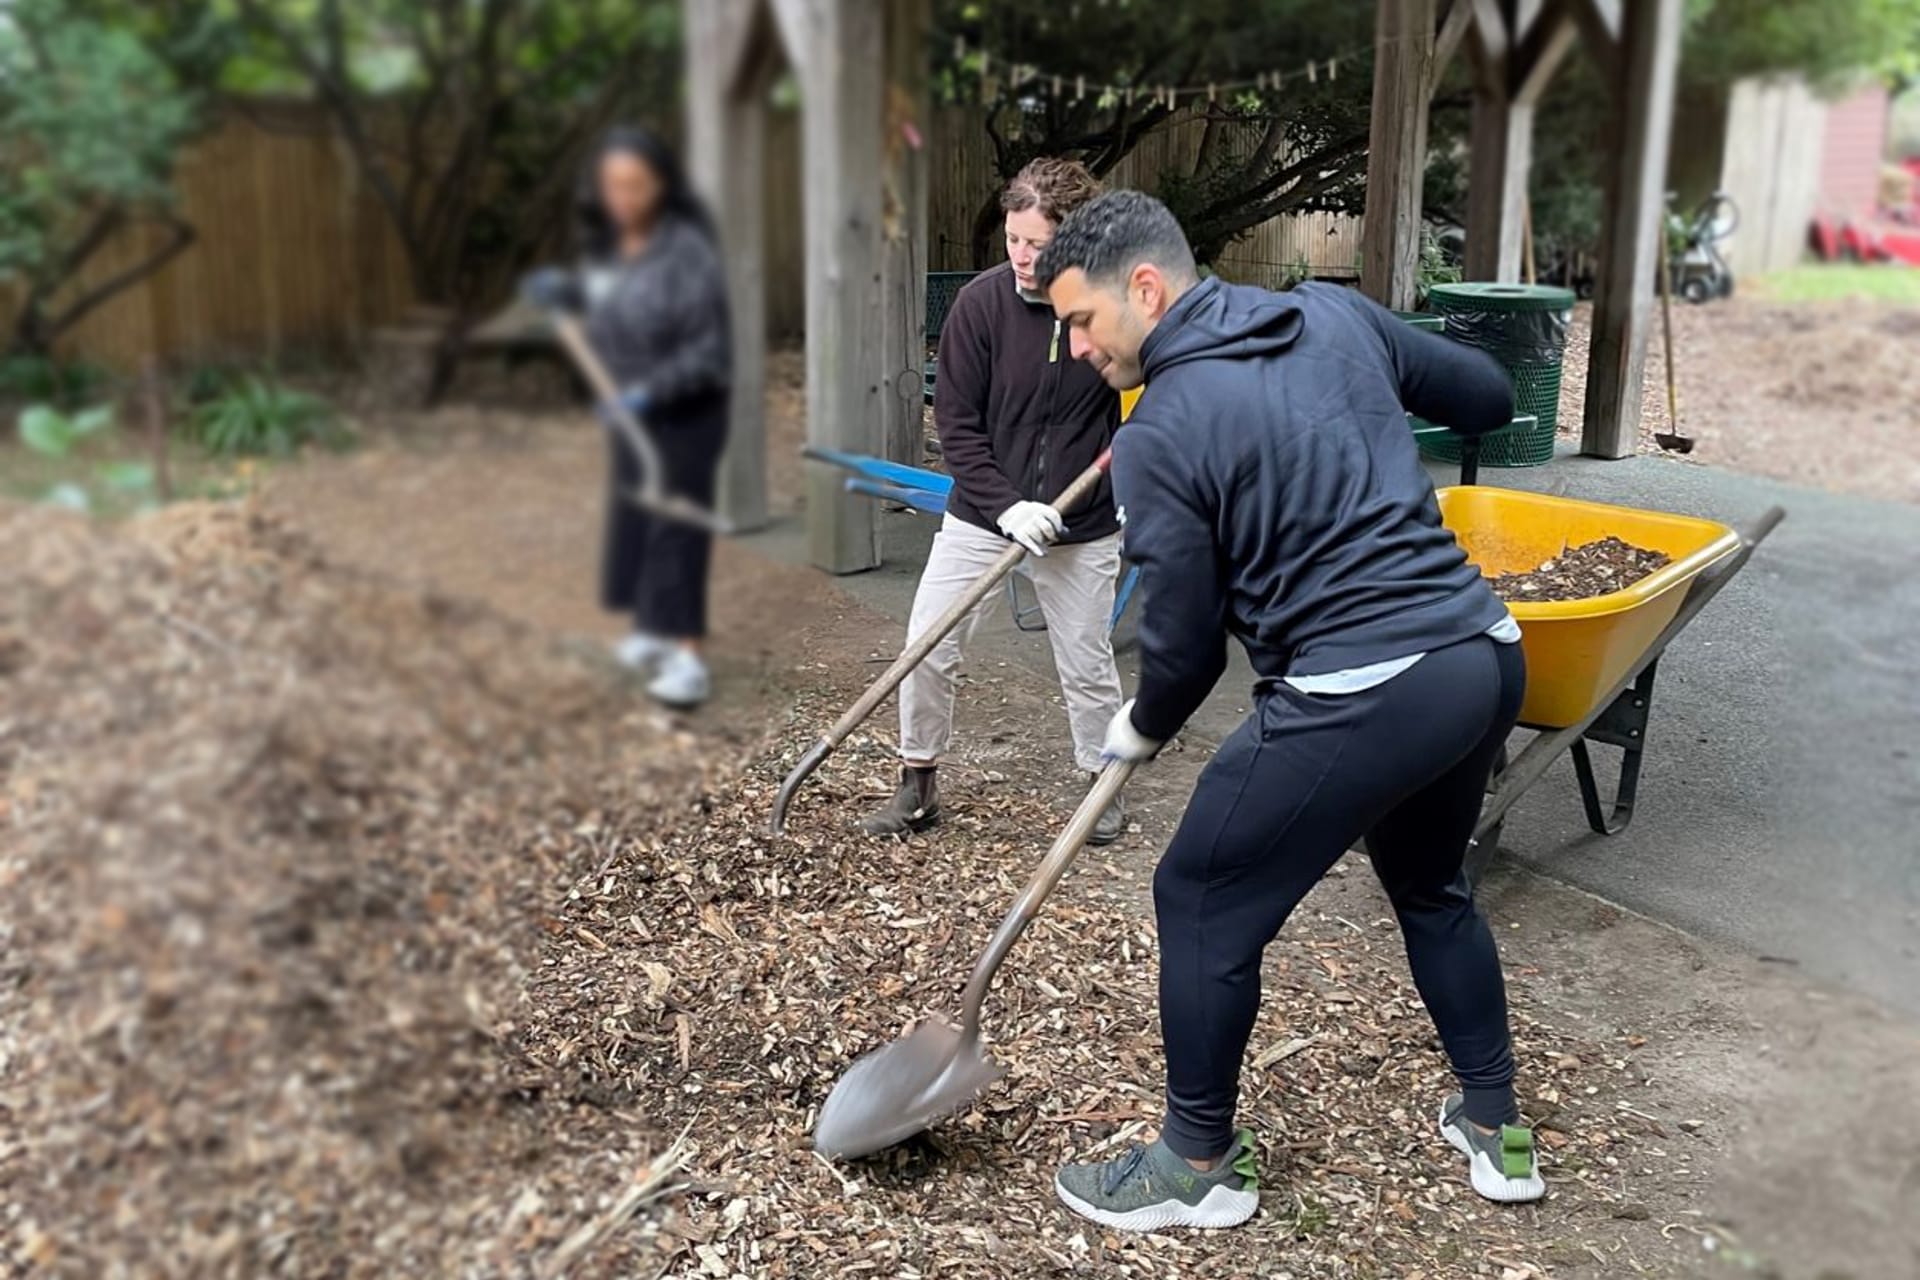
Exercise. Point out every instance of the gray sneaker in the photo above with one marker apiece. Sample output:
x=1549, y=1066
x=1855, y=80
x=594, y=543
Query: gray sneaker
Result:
x=1503, y=1165
x=1111, y=823
x=1150, y=1188
x=914, y=808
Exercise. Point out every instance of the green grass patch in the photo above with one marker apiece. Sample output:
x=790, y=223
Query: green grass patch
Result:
x=1890, y=282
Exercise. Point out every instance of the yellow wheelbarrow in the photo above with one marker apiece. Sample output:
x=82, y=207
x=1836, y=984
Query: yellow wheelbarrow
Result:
x=1590, y=663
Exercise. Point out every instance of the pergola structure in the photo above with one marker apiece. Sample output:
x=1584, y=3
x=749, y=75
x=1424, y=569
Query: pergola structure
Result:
x=862, y=69
x=1516, y=46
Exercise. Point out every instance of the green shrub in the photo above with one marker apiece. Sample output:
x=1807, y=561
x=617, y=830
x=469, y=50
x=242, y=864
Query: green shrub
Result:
x=52, y=434
x=251, y=415
x=64, y=384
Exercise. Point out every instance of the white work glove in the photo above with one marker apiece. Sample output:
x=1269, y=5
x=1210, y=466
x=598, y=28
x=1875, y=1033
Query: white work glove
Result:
x=1124, y=742
x=1034, y=525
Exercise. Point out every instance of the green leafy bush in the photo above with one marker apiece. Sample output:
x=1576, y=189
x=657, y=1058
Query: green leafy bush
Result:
x=1435, y=267
x=53, y=434
x=40, y=379
x=252, y=415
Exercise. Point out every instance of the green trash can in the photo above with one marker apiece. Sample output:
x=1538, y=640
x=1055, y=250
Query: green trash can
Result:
x=1524, y=327
x=1424, y=320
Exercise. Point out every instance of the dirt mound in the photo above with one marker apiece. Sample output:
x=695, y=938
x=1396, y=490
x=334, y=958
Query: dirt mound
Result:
x=278, y=843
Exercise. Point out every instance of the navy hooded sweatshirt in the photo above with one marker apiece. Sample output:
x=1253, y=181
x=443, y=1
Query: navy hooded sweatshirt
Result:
x=1271, y=490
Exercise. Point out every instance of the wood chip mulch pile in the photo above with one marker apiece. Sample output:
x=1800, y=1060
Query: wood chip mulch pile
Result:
x=351, y=932
x=1579, y=573
x=277, y=845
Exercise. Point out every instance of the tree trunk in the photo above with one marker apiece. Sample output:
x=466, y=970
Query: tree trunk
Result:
x=987, y=224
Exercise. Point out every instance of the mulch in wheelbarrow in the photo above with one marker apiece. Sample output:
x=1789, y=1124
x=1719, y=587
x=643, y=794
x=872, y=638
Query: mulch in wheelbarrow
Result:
x=1580, y=573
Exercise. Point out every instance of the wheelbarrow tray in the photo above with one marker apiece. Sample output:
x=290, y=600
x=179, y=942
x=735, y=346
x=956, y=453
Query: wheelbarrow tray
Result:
x=1577, y=650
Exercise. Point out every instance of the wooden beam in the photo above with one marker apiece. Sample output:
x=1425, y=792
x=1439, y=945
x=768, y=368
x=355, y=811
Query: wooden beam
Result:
x=1599, y=23
x=729, y=64
x=1397, y=151
x=904, y=227
x=795, y=23
x=1487, y=43
x=1549, y=38
x=1453, y=29
x=1490, y=26
x=1631, y=235
x=845, y=97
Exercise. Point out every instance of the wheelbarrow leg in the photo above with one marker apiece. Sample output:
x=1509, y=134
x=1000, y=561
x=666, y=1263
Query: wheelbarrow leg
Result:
x=1623, y=724
x=1027, y=617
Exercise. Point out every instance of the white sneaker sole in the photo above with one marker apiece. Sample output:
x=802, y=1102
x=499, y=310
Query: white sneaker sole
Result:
x=1486, y=1179
x=1223, y=1207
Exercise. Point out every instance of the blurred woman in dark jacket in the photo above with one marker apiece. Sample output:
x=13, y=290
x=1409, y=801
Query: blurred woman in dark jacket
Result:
x=657, y=316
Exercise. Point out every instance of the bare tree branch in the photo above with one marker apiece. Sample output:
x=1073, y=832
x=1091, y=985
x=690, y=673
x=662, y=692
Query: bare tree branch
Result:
x=330, y=79
x=182, y=235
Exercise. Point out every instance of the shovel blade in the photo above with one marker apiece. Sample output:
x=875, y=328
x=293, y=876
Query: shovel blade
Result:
x=896, y=1091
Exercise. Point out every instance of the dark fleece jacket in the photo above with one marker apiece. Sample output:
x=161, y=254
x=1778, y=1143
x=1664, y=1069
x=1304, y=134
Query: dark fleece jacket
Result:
x=1018, y=416
x=1272, y=490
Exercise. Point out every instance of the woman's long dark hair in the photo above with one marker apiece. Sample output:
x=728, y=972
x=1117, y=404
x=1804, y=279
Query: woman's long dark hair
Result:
x=598, y=236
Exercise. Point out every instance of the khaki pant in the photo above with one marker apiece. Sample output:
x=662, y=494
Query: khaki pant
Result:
x=1075, y=585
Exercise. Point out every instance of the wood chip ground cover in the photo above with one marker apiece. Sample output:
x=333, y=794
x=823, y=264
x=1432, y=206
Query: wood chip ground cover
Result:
x=359, y=933
x=727, y=980
x=1579, y=573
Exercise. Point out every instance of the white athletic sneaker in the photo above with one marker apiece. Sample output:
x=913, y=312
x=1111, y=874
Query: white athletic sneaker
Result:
x=641, y=651
x=1502, y=1165
x=682, y=681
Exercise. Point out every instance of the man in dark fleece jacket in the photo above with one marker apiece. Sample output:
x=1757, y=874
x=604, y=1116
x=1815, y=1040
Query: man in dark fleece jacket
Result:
x=1272, y=492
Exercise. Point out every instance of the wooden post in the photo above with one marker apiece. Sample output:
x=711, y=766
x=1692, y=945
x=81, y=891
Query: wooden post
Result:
x=153, y=396
x=904, y=271
x=729, y=58
x=1631, y=235
x=1500, y=146
x=845, y=97
x=1397, y=151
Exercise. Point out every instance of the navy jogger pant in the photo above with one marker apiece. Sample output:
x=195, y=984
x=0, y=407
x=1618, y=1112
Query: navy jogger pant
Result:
x=1306, y=776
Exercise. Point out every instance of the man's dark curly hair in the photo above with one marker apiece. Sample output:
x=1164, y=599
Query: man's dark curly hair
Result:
x=1110, y=235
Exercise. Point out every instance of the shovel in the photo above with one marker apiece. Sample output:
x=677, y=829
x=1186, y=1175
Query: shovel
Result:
x=1673, y=440
x=895, y=1092
x=652, y=495
x=1082, y=487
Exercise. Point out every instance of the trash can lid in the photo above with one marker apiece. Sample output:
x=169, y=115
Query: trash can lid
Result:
x=1492, y=295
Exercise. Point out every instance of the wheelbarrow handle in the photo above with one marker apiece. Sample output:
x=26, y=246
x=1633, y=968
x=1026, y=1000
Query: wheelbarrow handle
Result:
x=1053, y=867
x=923, y=644
x=651, y=495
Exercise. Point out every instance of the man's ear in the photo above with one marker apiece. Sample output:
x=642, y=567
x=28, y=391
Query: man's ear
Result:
x=1149, y=289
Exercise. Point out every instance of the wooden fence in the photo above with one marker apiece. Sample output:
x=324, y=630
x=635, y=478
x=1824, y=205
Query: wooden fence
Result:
x=294, y=253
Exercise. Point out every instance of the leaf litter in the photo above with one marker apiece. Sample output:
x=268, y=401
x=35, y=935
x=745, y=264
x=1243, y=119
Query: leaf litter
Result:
x=355, y=932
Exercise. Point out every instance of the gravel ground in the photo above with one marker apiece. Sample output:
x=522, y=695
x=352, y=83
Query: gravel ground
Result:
x=1820, y=393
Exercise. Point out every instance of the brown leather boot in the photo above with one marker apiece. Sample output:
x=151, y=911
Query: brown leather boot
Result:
x=915, y=806
x=1112, y=822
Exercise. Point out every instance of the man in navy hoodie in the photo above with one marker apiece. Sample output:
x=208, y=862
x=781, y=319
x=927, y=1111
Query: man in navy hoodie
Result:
x=1271, y=492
